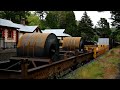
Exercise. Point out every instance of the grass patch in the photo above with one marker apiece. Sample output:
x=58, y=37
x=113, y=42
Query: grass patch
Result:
x=104, y=67
x=87, y=72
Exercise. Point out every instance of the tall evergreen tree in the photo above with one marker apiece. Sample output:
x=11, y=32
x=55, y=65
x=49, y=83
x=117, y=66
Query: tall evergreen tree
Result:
x=115, y=16
x=103, y=28
x=85, y=29
x=62, y=19
x=71, y=27
x=52, y=19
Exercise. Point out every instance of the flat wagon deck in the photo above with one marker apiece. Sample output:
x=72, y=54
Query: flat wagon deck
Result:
x=34, y=68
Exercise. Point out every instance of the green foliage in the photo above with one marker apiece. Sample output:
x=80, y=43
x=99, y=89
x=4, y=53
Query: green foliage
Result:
x=14, y=16
x=103, y=29
x=116, y=23
x=52, y=20
x=89, y=71
x=62, y=19
x=118, y=37
x=116, y=18
x=85, y=29
x=71, y=27
x=43, y=24
x=115, y=34
x=34, y=20
x=95, y=38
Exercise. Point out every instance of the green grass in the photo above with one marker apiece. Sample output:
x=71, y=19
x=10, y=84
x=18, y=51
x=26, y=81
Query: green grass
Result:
x=104, y=67
x=87, y=72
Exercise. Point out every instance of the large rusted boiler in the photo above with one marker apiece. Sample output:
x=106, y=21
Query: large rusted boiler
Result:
x=73, y=43
x=38, y=45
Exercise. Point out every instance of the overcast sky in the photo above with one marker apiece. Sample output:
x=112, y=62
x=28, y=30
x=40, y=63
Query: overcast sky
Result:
x=94, y=15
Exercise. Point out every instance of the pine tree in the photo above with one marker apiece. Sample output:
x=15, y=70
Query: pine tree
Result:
x=103, y=28
x=85, y=29
x=116, y=19
x=62, y=19
x=116, y=23
x=52, y=19
x=71, y=27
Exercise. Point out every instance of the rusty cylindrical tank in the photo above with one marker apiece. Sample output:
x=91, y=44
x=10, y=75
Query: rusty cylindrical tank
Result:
x=73, y=43
x=38, y=45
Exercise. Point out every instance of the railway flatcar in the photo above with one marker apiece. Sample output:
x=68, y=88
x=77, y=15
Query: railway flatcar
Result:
x=39, y=56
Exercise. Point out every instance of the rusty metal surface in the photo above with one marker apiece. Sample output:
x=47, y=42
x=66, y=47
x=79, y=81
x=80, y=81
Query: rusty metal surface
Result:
x=31, y=59
x=10, y=74
x=38, y=45
x=55, y=68
x=41, y=67
x=44, y=71
x=33, y=38
x=52, y=69
x=71, y=43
